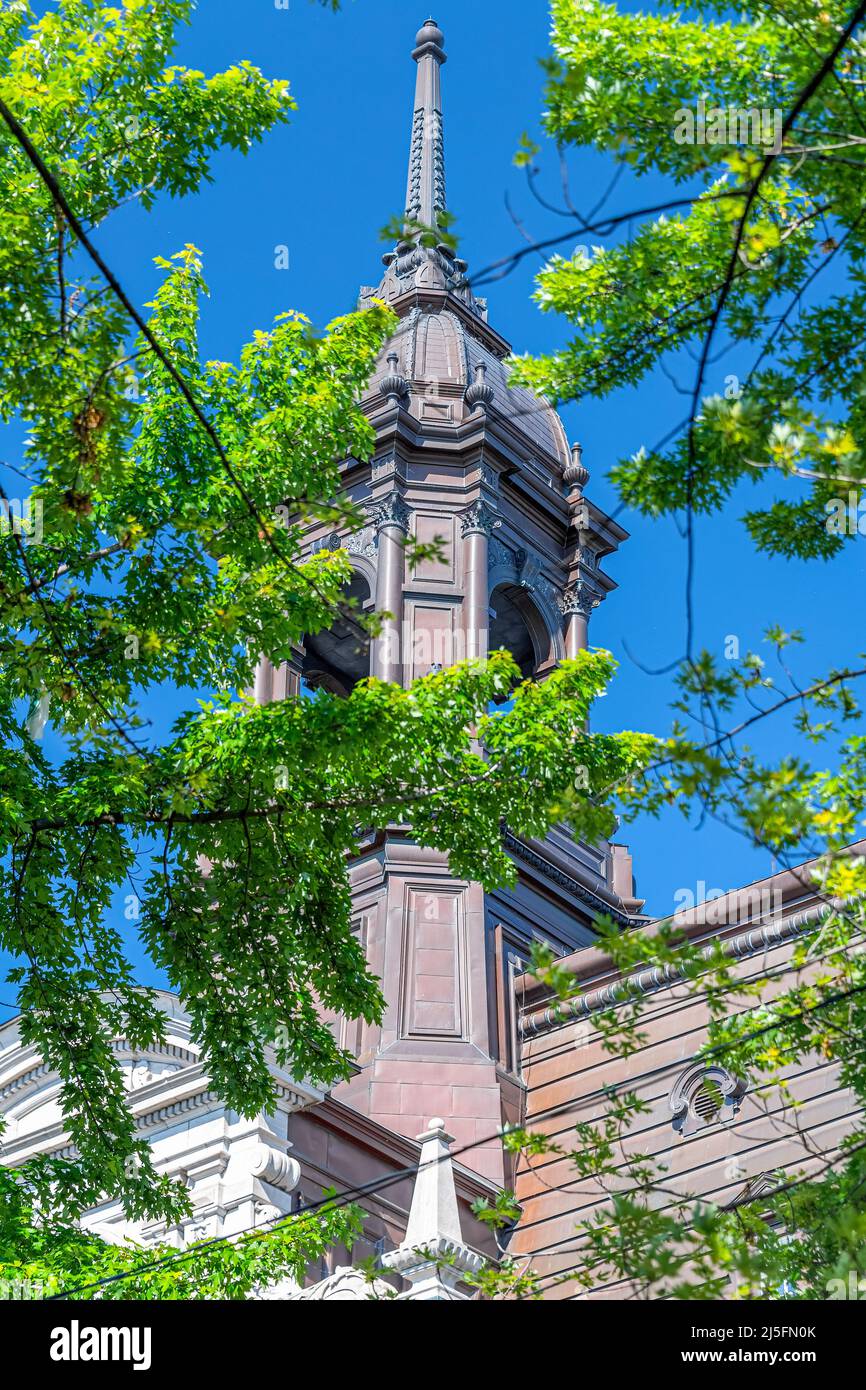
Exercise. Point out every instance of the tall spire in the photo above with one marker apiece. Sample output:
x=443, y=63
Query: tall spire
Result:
x=419, y=260
x=425, y=189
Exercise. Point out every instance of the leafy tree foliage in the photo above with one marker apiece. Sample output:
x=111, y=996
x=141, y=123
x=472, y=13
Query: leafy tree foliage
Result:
x=747, y=232
x=170, y=554
x=733, y=255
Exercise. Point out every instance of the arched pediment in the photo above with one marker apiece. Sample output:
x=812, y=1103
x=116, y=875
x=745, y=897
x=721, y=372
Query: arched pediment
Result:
x=704, y=1094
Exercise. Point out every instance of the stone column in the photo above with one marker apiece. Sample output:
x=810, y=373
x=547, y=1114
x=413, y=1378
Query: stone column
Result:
x=391, y=520
x=476, y=526
x=264, y=684
x=577, y=606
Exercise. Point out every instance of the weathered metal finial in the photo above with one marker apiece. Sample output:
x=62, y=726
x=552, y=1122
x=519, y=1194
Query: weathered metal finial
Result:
x=394, y=385
x=479, y=395
x=576, y=474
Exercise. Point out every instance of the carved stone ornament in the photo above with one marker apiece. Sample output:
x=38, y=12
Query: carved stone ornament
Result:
x=580, y=598
x=500, y=554
x=479, y=518
x=489, y=477
x=704, y=1095
x=576, y=474
x=391, y=511
x=361, y=543
x=480, y=394
x=394, y=385
x=275, y=1167
x=345, y=1285
x=531, y=578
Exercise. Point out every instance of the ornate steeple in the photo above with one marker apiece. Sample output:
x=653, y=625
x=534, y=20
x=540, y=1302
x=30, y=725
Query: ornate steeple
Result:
x=482, y=469
x=422, y=258
x=425, y=187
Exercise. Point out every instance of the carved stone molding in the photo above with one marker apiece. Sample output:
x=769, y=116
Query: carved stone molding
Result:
x=180, y=1107
x=536, y=582
x=518, y=850
x=345, y=1285
x=499, y=554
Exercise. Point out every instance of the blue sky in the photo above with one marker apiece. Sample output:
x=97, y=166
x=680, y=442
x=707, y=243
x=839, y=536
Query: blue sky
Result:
x=326, y=184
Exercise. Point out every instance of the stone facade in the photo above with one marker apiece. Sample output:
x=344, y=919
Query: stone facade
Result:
x=240, y=1173
x=246, y=1174
x=719, y=1143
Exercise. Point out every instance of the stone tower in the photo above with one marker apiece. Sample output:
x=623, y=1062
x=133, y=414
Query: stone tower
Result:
x=487, y=468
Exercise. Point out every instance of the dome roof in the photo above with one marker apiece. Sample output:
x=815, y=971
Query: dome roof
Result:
x=437, y=354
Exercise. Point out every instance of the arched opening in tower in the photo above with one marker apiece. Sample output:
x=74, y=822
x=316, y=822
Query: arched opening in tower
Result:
x=339, y=657
x=517, y=625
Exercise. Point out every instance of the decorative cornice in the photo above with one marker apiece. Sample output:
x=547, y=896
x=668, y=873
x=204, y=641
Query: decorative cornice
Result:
x=179, y=1107
x=755, y=941
x=521, y=851
x=32, y=1074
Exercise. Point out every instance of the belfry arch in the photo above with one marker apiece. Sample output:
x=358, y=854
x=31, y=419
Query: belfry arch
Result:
x=518, y=625
x=338, y=657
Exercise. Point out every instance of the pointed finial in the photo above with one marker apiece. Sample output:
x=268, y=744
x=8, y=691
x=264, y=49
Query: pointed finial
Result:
x=433, y=1259
x=434, y=1213
x=425, y=189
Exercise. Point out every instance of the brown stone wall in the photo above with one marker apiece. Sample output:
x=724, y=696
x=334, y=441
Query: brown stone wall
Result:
x=565, y=1068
